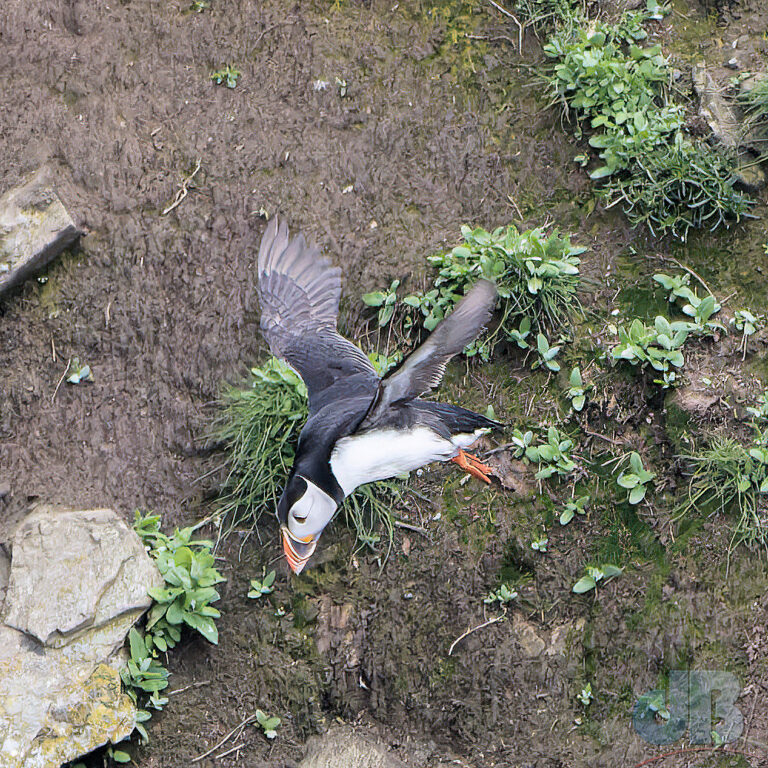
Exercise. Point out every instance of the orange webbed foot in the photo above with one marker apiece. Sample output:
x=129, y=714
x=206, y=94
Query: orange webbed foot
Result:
x=473, y=465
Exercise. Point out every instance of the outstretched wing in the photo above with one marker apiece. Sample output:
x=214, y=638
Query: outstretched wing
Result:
x=299, y=293
x=425, y=367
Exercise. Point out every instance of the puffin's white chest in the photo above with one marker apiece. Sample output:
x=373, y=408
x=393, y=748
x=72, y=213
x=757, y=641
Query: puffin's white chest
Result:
x=384, y=453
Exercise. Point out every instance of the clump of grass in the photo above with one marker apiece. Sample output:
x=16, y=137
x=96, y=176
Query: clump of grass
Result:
x=536, y=273
x=678, y=187
x=259, y=428
x=754, y=102
x=730, y=476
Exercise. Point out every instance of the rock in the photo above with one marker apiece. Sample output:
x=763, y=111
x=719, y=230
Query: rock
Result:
x=77, y=583
x=34, y=229
x=750, y=176
x=728, y=130
x=344, y=747
x=5, y=569
x=525, y=634
x=715, y=110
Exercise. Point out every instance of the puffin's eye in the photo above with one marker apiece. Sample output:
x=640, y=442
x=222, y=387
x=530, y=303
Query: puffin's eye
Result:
x=299, y=518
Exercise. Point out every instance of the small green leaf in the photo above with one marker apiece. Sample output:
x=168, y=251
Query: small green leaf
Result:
x=584, y=584
x=374, y=299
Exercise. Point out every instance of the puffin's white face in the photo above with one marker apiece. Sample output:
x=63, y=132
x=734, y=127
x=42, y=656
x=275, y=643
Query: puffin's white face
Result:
x=310, y=513
x=311, y=509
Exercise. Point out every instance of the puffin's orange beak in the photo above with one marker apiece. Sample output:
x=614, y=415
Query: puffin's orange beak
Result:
x=297, y=551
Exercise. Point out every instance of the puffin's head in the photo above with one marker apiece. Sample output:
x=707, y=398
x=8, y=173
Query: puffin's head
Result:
x=303, y=511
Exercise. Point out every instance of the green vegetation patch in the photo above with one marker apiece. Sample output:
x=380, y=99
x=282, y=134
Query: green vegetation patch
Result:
x=536, y=274
x=617, y=89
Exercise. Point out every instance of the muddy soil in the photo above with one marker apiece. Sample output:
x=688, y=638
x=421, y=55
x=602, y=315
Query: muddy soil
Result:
x=378, y=137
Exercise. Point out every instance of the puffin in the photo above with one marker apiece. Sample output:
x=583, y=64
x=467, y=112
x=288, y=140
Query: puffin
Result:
x=361, y=427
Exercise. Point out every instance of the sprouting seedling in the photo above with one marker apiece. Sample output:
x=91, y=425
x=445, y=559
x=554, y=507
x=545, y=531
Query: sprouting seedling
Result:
x=76, y=373
x=636, y=480
x=540, y=544
x=586, y=695
x=547, y=354
x=503, y=595
x=576, y=393
x=678, y=286
x=594, y=575
x=385, y=300
x=267, y=723
x=521, y=334
x=228, y=75
x=577, y=506
x=743, y=320
x=263, y=586
x=655, y=703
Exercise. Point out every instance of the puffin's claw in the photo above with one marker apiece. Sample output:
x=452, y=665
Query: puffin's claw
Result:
x=473, y=465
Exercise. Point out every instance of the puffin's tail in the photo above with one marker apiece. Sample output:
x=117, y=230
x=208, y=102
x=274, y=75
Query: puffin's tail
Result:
x=456, y=419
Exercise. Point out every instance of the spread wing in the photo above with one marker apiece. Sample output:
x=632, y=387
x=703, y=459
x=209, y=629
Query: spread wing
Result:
x=424, y=368
x=299, y=293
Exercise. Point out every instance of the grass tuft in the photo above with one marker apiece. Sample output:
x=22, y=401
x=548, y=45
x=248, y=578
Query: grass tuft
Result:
x=729, y=476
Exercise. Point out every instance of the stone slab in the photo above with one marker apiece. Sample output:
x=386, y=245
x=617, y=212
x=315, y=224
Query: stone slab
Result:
x=76, y=583
x=34, y=229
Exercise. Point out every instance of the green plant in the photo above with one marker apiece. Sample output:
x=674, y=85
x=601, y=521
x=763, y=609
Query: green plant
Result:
x=594, y=575
x=618, y=90
x=267, y=723
x=653, y=704
x=187, y=566
x=540, y=544
x=76, y=373
x=385, y=300
x=536, y=274
x=547, y=354
x=636, y=480
x=743, y=320
x=658, y=346
x=143, y=673
x=678, y=187
x=259, y=428
x=754, y=101
x=553, y=456
x=760, y=413
x=730, y=475
x=382, y=363
x=700, y=309
x=198, y=6
x=577, y=506
x=228, y=75
x=263, y=586
x=521, y=441
x=577, y=391
x=520, y=335
x=585, y=695
x=505, y=594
